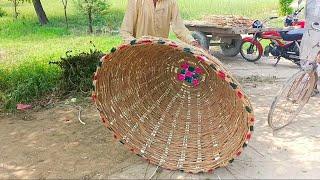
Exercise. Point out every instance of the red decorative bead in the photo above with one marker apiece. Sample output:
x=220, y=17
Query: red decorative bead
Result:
x=116, y=136
x=248, y=136
x=181, y=77
x=123, y=47
x=210, y=171
x=252, y=120
x=198, y=70
x=221, y=75
x=201, y=58
x=94, y=97
x=95, y=77
x=239, y=94
x=135, y=151
x=239, y=153
x=146, y=41
x=185, y=65
x=106, y=57
x=196, y=82
x=173, y=45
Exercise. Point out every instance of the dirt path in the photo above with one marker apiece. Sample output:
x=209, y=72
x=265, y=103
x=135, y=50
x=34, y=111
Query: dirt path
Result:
x=52, y=143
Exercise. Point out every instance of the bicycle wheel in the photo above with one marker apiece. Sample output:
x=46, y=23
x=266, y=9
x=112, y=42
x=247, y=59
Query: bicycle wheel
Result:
x=291, y=99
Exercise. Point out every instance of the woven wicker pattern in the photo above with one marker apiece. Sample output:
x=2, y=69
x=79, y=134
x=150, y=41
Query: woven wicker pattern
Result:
x=175, y=106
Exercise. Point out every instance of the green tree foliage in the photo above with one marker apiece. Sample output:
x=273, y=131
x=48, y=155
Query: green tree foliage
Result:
x=285, y=8
x=93, y=10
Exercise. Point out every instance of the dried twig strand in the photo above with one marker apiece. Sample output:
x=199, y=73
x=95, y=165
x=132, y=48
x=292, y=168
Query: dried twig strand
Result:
x=173, y=105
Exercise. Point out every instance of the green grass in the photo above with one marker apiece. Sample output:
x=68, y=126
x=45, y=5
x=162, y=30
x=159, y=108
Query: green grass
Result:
x=194, y=9
x=26, y=47
x=25, y=74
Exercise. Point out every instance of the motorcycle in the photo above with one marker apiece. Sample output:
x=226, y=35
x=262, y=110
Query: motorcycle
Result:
x=284, y=44
x=294, y=21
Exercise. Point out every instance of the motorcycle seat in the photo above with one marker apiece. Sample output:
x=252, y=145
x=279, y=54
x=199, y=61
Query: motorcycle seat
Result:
x=293, y=35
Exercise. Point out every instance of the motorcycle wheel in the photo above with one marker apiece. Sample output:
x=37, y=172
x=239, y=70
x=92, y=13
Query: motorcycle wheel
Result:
x=249, y=51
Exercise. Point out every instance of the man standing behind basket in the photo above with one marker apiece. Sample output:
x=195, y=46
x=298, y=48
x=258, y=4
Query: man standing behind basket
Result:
x=153, y=18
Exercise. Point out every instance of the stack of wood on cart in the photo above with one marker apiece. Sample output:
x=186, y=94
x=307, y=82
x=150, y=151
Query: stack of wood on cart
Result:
x=228, y=21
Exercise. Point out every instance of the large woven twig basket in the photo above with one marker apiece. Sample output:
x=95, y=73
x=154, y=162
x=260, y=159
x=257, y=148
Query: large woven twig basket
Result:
x=173, y=105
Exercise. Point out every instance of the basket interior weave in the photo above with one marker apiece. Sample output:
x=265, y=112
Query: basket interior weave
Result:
x=172, y=105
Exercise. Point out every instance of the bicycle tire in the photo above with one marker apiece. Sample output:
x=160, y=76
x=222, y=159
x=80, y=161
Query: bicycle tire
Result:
x=296, y=85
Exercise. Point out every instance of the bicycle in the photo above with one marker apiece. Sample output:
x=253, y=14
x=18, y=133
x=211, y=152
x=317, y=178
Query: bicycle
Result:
x=295, y=93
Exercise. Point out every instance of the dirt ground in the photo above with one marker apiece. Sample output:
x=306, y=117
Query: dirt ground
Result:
x=51, y=143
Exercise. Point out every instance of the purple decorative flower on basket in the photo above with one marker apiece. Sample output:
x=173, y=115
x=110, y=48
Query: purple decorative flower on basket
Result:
x=190, y=74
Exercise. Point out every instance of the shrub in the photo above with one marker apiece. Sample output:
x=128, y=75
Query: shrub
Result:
x=77, y=71
x=285, y=8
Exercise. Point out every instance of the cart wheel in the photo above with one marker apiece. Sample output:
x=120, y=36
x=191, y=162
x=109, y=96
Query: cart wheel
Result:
x=231, y=47
x=201, y=38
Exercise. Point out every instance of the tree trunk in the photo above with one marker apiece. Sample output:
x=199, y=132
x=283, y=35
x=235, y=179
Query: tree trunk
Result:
x=15, y=3
x=40, y=12
x=65, y=5
x=90, y=20
x=66, y=17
